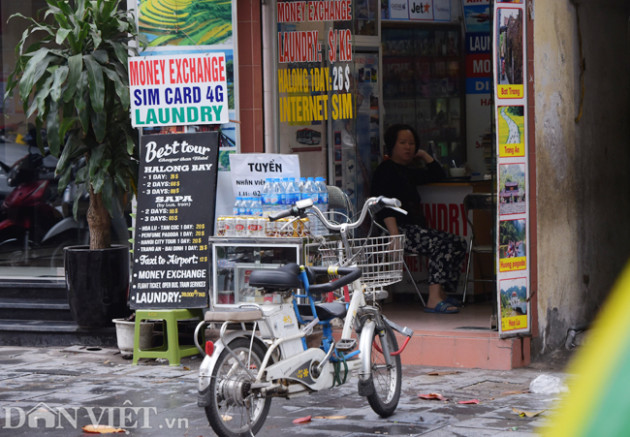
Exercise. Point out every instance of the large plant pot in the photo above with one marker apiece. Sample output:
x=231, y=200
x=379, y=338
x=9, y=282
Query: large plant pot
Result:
x=125, y=331
x=97, y=282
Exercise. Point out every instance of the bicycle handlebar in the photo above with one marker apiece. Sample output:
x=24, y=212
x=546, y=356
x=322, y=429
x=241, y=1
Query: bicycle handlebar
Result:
x=297, y=209
x=300, y=207
x=348, y=275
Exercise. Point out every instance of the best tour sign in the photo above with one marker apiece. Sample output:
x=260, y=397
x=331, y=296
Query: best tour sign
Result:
x=176, y=197
x=182, y=89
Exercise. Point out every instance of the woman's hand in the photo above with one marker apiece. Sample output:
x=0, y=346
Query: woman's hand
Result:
x=424, y=155
x=392, y=225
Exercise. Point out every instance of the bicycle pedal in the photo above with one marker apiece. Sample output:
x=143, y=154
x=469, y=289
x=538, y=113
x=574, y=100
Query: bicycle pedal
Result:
x=346, y=344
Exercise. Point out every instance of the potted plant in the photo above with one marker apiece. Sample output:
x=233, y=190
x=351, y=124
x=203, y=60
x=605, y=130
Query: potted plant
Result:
x=71, y=76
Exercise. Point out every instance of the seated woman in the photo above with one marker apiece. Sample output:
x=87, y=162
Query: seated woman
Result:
x=396, y=177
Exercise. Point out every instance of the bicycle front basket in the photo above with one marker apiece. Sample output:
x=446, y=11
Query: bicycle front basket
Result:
x=380, y=258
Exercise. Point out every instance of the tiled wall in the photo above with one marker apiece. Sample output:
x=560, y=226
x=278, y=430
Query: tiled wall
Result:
x=250, y=75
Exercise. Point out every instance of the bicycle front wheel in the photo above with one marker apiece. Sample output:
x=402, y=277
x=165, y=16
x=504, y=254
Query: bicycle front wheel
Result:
x=234, y=410
x=386, y=379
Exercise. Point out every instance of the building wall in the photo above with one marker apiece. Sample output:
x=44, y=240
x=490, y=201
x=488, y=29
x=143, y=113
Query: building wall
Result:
x=250, y=76
x=582, y=151
x=582, y=159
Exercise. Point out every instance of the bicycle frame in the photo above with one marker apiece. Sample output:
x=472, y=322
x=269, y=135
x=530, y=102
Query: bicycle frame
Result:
x=282, y=343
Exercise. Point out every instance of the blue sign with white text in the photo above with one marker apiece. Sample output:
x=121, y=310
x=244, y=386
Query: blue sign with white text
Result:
x=478, y=42
x=478, y=85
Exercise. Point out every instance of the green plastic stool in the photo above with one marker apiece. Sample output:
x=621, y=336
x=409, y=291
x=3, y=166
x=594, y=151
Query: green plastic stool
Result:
x=170, y=349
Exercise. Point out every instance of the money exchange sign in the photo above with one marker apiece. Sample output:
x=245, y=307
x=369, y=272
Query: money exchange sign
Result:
x=178, y=90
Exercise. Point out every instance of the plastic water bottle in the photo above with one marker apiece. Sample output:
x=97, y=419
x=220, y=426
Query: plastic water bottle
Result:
x=266, y=198
x=276, y=195
x=293, y=191
x=302, y=187
x=284, y=189
x=271, y=197
x=257, y=206
x=247, y=206
x=310, y=192
x=242, y=206
x=322, y=198
x=237, y=205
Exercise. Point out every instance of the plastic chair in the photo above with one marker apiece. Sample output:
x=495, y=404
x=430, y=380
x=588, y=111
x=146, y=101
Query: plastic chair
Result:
x=411, y=279
x=339, y=205
x=478, y=202
x=406, y=267
x=170, y=349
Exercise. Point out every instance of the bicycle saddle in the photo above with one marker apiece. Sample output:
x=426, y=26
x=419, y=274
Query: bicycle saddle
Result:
x=324, y=311
x=282, y=278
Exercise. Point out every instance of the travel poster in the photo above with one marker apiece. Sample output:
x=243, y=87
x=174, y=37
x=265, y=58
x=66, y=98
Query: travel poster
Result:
x=513, y=301
x=185, y=22
x=511, y=131
x=512, y=245
x=512, y=189
x=477, y=16
x=510, y=53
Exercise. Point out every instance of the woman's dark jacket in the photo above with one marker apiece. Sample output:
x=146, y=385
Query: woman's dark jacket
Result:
x=399, y=181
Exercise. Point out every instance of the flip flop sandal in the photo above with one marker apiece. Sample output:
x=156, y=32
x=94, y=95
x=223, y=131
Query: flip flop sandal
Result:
x=442, y=308
x=454, y=301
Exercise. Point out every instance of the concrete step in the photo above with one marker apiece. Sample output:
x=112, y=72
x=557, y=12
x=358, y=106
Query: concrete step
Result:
x=468, y=339
x=34, y=288
x=34, y=299
x=40, y=309
x=35, y=312
x=466, y=349
x=18, y=332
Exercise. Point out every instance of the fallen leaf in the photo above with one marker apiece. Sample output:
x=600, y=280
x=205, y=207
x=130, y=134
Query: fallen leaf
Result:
x=226, y=417
x=432, y=397
x=330, y=417
x=469, y=401
x=101, y=429
x=446, y=372
x=527, y=413
x=514, y=392
x=300, y=420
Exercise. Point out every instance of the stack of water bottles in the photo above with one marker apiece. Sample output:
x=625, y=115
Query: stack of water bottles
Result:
x=280, y=194
x=250, y=213
x=247, y=206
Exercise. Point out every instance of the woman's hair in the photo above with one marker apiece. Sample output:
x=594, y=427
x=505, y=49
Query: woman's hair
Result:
x=391, y=134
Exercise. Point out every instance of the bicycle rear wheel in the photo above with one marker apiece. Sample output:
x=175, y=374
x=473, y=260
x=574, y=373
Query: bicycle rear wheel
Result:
x=386, y=380
x=233, y=409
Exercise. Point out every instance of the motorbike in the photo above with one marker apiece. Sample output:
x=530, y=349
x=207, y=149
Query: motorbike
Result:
x=73, y=231
x=36, y=223
x=28, y=211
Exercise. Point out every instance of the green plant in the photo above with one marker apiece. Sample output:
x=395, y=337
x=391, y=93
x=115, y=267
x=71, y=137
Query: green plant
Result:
x=72, y=78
